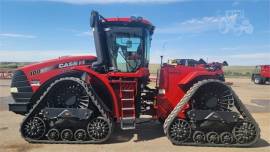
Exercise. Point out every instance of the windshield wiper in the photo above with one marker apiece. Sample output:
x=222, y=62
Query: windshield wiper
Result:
x=123, y=56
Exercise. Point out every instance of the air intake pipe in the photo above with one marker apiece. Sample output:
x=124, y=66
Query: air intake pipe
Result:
x=99, y=39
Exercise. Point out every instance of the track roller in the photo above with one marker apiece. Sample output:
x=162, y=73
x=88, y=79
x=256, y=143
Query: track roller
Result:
x=80, y=135
x=212, y=137
x=199, y=137
x=226, y=138
x=66, y=134
x=53, y=134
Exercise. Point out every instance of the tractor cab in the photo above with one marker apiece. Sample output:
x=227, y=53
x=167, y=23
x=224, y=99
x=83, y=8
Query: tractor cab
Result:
x=122, y=44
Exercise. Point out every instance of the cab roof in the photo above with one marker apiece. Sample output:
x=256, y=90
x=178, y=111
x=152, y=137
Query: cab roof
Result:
x=130, y=21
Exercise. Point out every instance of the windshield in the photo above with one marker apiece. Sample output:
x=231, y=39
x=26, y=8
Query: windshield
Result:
x=126, y=49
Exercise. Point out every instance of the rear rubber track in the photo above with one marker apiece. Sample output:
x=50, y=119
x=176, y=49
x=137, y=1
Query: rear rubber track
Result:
x=239, y=105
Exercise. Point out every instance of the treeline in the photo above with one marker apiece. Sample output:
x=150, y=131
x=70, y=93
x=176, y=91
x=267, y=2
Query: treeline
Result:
x=238, y=71
x=13, y=65
x=237, y=74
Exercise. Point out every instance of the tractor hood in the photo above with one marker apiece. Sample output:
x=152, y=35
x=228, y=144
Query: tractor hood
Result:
x=58, y=63
x=28, y=79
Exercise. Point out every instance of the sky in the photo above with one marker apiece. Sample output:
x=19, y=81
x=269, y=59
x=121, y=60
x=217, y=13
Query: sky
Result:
x=237, y=31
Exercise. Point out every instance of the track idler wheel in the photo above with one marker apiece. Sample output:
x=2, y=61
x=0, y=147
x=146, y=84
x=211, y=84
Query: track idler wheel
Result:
x=244, y=132
x=212, y=137
x=66, y=134
x=226, y=138
x=199, y=137
x=99, y=129
x=53, y=134
x=80, y=135
x=35, y=128
x=179, y=131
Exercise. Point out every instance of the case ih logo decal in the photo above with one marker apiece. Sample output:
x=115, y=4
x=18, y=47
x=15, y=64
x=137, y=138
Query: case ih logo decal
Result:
x=70, y=64
x=60, y=66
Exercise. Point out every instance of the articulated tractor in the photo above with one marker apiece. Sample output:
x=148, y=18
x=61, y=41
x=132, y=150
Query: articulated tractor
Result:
x=80, y=99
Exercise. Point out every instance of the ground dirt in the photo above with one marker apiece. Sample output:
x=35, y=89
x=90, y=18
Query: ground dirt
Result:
x=147, y=137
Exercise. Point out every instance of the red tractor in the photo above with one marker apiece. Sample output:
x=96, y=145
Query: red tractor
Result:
x=197, y=65
x=80, y=99
x=261, y=74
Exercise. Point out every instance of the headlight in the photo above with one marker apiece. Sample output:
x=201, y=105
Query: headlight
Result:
x=13, y=90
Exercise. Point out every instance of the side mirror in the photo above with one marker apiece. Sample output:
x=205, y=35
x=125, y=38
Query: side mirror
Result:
x=93, y=18
x=225, y=63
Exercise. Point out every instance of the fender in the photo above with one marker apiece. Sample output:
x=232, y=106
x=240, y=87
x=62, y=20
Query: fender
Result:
x=106, y=83
x=193, y=75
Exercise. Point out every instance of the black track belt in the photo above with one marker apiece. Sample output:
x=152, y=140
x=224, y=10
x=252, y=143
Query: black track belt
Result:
x=238, y=104
x=39, y=106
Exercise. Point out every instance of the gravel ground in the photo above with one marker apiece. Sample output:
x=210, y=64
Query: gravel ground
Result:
x=147, y=137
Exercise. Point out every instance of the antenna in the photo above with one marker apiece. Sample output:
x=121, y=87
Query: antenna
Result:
x=161, y=60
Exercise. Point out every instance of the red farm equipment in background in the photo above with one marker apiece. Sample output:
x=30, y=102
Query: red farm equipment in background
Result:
x=80, y=99
x=261, y=74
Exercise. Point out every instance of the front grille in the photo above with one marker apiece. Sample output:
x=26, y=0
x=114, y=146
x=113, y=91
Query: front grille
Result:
x=19, y=80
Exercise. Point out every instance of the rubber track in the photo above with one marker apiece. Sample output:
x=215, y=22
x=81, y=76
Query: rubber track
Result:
x=38, y=106
x=238, y=104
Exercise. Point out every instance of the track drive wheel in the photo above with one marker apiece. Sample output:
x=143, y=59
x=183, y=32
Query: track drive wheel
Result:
x=35, y=128
x=99, y=129
x=244, y=132
x=179, y=131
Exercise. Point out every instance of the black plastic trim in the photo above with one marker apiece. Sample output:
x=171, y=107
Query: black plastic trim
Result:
x=19, y=108
x=24, y=94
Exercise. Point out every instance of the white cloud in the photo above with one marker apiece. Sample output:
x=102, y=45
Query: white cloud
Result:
x=16, y=35
x=255, y=58
x=191, y=26
x=233, y=21
x=247, y=48
x=26, y=56
x=87, y=33
x=235, y=3
x=252, y=56
x=83, y=2
x=259, y=55
x=78, y=32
